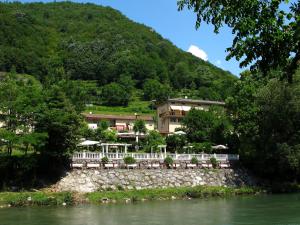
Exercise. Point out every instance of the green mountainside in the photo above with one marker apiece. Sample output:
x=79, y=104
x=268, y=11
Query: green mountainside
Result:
x=90, y=43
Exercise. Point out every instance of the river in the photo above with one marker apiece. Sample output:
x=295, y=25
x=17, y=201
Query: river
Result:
x=262, y=210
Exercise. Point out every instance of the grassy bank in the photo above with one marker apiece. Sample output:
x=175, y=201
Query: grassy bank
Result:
x=168, y=193
x=17, y=199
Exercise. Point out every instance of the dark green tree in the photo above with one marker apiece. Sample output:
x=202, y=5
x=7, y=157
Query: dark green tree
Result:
x=154, y=90
x=266, y=36
x=153, y=139
x=59, y=119
x=176, y=142
x=114, y=94
x=20, y=100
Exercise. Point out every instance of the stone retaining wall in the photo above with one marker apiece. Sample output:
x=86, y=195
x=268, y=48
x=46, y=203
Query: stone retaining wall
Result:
x=89, y=180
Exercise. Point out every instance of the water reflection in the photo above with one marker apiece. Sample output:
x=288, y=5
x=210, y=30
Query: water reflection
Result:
x=273, y=210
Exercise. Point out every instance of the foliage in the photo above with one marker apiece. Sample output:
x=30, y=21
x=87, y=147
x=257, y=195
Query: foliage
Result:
x=168, y=161
x=20, y=102
x=264, y=33
x=154, y=90
x=59, y=119
x=153, y=139
x=213, y=162
x=95, y=43
x=114, y=94
x=176, y=142
x=194, y=160
x=266, y=119
x=139, y=126
x=207, y=126
x=129, y=160
x=104, y=160
x=202, y=147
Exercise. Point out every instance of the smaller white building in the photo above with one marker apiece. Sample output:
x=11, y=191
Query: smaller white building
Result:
x=121, y=123
x=171, y=112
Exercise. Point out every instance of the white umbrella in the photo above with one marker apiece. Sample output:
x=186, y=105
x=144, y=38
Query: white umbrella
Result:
x=88, y=143
x=219, y=147
x=180, y=132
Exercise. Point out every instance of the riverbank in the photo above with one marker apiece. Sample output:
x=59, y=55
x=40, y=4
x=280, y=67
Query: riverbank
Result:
x=19, y=199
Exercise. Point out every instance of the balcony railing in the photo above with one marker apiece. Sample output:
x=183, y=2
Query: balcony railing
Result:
x=97, y=156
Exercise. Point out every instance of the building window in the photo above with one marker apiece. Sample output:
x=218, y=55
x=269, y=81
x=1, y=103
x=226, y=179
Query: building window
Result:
x=173, y=120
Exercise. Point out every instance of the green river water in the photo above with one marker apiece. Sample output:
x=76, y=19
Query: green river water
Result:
x=266, y=209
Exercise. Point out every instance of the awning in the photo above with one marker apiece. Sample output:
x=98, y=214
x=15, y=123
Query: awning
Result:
x=176, y=107
x=88, y=143
x=186, y=108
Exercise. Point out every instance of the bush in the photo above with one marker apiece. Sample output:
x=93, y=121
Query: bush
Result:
x=194, y=160
x=129, y=160
x=168, y=161
x=104, y=160
x=214, y=162
x=202, y=147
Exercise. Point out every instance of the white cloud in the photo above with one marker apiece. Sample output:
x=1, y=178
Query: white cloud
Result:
x=218, y=62
x=198, y=52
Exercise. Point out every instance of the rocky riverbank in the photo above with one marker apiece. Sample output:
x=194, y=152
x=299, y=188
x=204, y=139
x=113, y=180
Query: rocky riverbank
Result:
x=91, y=180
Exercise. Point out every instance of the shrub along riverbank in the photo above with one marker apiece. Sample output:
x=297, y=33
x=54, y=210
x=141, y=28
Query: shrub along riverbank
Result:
x=17, y=199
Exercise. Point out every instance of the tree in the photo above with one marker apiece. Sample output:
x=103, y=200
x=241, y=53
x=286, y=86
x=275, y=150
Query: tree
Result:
x=154, y=90
x=114, y=94
x=208, y=126
x=154, y=139
x=176, y=142
x=265, y=35
x=139, y=126
x=75, y=92
x=266, y=119
x=59, y=119
x=20, y=100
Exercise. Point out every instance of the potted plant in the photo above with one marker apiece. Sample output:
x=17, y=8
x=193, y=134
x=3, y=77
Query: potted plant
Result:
x=194, y=161
x=104, y=160
x=130, y=162
x=213, y=162
x=168, y=162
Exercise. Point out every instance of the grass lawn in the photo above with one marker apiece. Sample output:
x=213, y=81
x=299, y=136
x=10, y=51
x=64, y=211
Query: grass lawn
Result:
x=140, y=107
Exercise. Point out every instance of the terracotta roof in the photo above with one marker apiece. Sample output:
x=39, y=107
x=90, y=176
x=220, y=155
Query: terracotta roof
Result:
x=115, y=117
x=195, y=101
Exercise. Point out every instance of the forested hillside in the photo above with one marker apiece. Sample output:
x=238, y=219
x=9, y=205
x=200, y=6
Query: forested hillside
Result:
x=87, y=42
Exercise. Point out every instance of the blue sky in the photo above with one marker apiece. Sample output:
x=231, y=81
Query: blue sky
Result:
x=178, y=27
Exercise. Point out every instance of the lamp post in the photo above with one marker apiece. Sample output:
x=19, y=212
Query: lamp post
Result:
x=136, y=133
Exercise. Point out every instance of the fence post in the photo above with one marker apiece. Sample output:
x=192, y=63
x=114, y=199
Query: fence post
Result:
x=83, y=154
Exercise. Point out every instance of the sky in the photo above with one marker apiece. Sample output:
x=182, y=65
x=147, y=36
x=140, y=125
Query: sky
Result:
x=178, y=27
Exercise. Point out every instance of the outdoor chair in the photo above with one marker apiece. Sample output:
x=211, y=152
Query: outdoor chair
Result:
x=77, y=165
x=153, y=165
x=176, y=165
x=93, y=165
x=110, y=165
x=131, y=166
x=224, y=165
x=206, y=165
x=191, y=166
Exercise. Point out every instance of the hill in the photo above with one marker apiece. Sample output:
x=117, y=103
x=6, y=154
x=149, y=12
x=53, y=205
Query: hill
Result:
x=94, y=43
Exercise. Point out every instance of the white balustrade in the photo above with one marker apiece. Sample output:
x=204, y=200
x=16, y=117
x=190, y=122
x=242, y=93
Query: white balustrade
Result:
x=153, y=156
